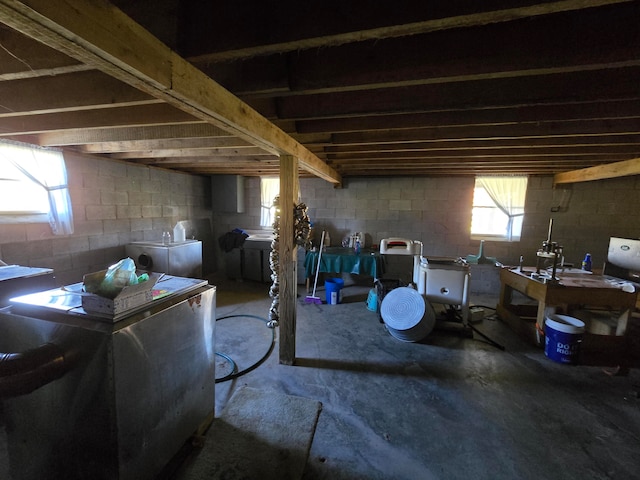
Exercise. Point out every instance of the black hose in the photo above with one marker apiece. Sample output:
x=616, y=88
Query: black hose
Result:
x=22, y=373
x=235, y=373
x=234, y=367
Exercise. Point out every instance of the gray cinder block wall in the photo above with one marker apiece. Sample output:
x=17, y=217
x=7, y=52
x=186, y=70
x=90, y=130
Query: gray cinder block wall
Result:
x=437, y=211
x=114, y=203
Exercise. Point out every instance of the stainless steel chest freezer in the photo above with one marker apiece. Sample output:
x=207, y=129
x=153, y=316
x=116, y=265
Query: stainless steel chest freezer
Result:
x=18, y=280
x=136, y=390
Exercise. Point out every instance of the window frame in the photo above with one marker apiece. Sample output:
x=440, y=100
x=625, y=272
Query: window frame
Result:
x=22, y=215
x=514, y=197
x=46, y=168
x=267, y=209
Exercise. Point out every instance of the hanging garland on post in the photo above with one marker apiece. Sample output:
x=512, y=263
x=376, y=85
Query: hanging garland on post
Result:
x=301, y=237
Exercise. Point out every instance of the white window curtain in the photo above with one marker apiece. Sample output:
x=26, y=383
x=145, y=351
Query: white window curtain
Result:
x=269, y=190
x=508, y=193
x=46, y=168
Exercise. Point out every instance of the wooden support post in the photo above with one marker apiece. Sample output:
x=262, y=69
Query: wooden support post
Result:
x=289, y=187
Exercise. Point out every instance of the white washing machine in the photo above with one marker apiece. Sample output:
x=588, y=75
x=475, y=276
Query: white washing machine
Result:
x=446, y=280
x=182, y=259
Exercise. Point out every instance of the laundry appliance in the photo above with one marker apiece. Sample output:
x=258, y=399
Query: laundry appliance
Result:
x=182, y=259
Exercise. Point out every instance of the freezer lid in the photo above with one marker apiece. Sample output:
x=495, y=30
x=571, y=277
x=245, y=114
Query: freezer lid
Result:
x=150, y=244
x=11, y=272
x=68, y=299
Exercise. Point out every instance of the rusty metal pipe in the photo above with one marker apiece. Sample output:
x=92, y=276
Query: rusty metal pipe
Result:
x=22, y=373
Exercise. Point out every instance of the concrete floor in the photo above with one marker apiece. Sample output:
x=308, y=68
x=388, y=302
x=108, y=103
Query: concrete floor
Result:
x=449, y=407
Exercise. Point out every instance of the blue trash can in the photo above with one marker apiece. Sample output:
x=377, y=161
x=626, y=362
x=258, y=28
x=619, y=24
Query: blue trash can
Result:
x=333, y=287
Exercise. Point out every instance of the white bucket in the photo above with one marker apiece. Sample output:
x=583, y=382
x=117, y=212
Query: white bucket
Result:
x=563, y=335
x=407, y=315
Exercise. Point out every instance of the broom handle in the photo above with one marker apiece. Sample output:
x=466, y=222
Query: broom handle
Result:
x=315, y=282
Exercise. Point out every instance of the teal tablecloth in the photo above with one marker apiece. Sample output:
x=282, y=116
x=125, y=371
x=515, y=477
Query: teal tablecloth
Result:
x=343, y=260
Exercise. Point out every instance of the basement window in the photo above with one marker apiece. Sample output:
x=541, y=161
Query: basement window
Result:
x=33, y=187
x=498, y=208
x=269, y=190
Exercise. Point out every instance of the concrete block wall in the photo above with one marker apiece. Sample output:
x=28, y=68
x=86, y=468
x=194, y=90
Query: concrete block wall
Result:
x=437, y=211
x=485, y=279
x=114, y=203
x=431, y=210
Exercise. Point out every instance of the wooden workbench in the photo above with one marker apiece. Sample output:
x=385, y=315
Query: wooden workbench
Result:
x=572, y=292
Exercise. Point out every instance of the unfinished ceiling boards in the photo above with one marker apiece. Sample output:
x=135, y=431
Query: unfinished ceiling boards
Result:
x=349, y=88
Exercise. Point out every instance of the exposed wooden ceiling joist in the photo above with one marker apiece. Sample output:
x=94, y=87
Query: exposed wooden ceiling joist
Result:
x=124, y=134
x=172, y=143
x=102, y=37
x=254, y=152
x=436, y=21
x=351, y=88
x=599, y=172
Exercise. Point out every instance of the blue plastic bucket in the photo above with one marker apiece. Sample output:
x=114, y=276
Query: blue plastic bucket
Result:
x=372, y=301
x=562, y=338
x=333, y=287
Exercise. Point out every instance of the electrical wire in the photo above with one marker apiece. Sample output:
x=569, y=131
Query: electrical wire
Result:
x=485, y=306
x=235, y=373
x=474, y=329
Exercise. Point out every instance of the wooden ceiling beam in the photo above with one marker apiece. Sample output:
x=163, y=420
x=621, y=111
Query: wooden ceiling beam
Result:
x=435, y=19
x=44, y=72
x=71, y=91
x=22, y=55
x=447, y=172
x=196, y=152
x=172, y=143
x=81, y=136
x=460, y=165
x=99, y=35
x=601, y=85
x=597, y=110
x=600, y=172
x=521, y=131
x=558, y=158
x=153, y=114
x=236, y=162
x=515, y=145
x=269, y=171
x=559, y=43
x=628, y=151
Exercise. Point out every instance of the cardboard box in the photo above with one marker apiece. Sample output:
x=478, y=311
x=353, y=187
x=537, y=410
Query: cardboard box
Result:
x=128, y=299
x=598, y=322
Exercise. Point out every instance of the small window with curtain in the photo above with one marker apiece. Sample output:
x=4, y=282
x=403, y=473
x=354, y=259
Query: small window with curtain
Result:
x=269, y=190
x=33, y=186
x=498, y=208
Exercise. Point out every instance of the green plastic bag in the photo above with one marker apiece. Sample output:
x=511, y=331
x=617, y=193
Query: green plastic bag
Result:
x=117, y=276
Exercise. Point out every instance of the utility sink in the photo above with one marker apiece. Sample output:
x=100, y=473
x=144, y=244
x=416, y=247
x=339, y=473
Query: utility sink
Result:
x=160, y=244
x=261, y=236
x=261, y=240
